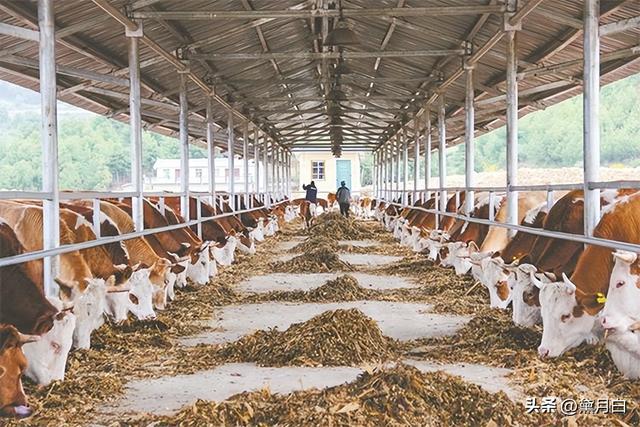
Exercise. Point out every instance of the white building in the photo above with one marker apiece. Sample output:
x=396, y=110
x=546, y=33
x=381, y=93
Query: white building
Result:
x=327, y=172
x=167, y=175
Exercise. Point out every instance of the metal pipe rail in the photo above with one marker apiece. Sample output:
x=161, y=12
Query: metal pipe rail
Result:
x=613, y=244
x=35, y=255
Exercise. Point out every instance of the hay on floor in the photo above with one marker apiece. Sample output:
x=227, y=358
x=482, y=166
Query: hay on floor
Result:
x=319, y=260
x=334, y=338
x=400, y=395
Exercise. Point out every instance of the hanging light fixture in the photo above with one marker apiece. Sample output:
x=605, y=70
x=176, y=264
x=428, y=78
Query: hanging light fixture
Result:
x=341, y=34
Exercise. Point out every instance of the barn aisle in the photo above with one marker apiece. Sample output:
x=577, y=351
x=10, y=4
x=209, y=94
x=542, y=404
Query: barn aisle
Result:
x=327, y=309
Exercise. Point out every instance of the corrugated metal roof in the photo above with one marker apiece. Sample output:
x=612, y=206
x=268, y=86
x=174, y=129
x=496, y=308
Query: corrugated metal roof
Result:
x=287, y=96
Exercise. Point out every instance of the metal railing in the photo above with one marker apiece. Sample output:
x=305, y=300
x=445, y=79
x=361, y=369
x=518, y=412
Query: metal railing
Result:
x=96, y=196
x=549, y=189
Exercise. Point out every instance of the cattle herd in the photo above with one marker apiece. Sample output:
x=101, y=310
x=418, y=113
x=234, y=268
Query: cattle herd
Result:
x=578, y=293
x=112, y=281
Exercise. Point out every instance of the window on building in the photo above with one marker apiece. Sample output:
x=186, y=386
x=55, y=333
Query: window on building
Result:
x=165, y=173
x=317, y=170
x=199, y=173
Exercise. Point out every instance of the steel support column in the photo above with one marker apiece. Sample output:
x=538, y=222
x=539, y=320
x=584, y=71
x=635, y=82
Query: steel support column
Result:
x=135, y=123
x=416, y=159
x=274, y=169
x=184, y=146
x=265, y=163
x=230, y=162
x=469, y=143
x=396, y=144
x=442, y=150
x=49, y=139
x=405, y=166
x=211, y=152
x=256, y=160
x=512, y=128
x=245, y=158
x=427, y=151
x=591, y=106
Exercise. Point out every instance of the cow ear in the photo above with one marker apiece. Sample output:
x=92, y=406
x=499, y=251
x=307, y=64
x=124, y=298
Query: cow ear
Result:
x=625, y=256
x=570, y=287
x=65, y=288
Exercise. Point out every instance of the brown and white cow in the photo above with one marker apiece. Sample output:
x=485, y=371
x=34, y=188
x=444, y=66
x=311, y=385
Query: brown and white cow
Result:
x=75, y=279
x=132, y=290
x=153, y=270
x=569, y=307
x=551, y=257
x=13, y=401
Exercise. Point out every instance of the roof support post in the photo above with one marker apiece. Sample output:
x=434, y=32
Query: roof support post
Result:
x=385, y=172
x=396, y=147
x=442, y=151
x=256, y=161
x=274, y=182
x=265, y=164
x=375, y=174
x=184, y=146
x=512, y=122
x=49, y=138
x=135, y=123
x=230, y=162
x=211, y=152
x=591, y=106
x=416, y=159
x=427, y=151
x=245, y=158
x=405, y=166
x=469, y=143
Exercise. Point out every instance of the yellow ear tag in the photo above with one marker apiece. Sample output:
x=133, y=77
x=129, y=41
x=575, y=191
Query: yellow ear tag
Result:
x=600, y=298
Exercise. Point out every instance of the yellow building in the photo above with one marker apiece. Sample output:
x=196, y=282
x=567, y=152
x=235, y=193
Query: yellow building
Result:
x=327, y=172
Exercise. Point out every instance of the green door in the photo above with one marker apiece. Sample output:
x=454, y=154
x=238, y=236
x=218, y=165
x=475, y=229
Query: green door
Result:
x=343, y=172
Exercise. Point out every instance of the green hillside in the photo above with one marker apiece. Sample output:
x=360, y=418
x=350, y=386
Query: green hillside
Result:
x=94, y=151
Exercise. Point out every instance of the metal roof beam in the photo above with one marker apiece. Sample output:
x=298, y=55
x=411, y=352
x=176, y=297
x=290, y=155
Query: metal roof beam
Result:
x=619, y=26
x=201, y=15
x=327, y=55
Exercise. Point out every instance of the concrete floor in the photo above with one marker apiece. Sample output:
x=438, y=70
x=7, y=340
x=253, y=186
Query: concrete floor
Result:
x=368, y=260
x=400, y=320
x=305, y=282
x=164, y=396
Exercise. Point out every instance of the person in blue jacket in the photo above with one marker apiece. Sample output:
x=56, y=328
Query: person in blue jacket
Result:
x=312, y=192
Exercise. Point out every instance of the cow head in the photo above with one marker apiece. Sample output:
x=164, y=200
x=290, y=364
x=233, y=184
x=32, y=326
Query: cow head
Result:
x=13, y=401
x=623, y=298
x=566, y=323
x=224, y=255
x=47, y=356
x=624, y=346
x=246, y=244
x=198, y=268
x=495, y=277
x=88, y=306
x=158, y=274
x=525, y=295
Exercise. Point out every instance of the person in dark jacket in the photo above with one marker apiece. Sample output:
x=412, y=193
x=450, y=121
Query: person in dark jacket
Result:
x=312, y=192
x=343, y=196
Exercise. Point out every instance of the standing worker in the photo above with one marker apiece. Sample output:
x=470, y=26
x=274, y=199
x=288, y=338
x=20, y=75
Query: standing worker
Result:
x=343, y=196
x=312, y=192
